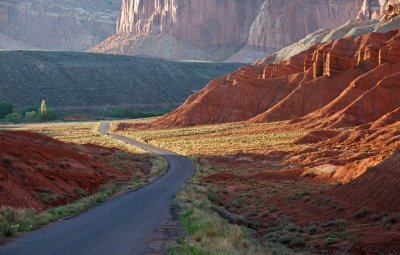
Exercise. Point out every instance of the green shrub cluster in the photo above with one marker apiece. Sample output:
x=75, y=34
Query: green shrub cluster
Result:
x=30, y=114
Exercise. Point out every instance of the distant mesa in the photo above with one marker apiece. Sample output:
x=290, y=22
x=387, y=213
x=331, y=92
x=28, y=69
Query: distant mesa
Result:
x=56, y=25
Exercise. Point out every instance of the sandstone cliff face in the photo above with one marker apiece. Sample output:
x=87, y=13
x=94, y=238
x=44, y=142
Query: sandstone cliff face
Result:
x=280, y=23
x=56, y=25
x=373, y=9
x=344, y=82
x=219, y=30
x=207, y=22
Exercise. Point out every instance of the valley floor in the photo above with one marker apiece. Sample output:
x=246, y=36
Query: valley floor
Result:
x=291, y=189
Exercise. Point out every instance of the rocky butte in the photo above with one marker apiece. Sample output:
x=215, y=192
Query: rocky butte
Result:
x=56, y=25
x=231, y=30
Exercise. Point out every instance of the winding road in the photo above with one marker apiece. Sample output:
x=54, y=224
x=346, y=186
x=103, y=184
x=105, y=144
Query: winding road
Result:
x=128, y=224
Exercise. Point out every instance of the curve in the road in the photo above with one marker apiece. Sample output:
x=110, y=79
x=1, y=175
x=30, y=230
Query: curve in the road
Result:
x=121, y=226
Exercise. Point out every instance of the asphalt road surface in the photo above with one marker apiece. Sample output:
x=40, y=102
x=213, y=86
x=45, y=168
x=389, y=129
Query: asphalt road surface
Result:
x=124, y=225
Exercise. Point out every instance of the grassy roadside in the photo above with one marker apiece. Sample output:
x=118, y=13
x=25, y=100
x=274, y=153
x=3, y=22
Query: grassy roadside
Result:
x=208, y=233
x=14, y=221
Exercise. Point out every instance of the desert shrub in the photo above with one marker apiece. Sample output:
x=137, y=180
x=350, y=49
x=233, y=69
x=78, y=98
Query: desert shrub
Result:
x=388, y=221
x=340, y=224
x=5, y=109
x=312, y=229
x=297, y=241
x=299, y=195
x=286, y=239
x=5, y=160
x=327, y=224
x=330, y=240
x=361, y=213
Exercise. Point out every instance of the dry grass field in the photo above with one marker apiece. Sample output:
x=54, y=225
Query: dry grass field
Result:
x=220, y=139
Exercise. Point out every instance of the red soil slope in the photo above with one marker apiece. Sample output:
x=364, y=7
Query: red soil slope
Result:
x=345, y=82
x=37, y=171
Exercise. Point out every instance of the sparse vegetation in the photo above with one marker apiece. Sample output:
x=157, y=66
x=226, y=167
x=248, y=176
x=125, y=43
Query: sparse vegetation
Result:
x=389, y=220
x=361, y=213
x=330, y=240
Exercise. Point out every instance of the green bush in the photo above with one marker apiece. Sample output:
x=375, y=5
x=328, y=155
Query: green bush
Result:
x=32, y=117
x=14, y=118
x=5, y=109
x=28, y=108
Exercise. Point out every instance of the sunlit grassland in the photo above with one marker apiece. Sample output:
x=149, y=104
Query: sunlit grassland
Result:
x=221, y=138
x=74, y=132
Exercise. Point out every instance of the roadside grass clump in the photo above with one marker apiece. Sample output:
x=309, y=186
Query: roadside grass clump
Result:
x=45, y=195
x=361, y=213
x=208, y=232
x=187, y=249
x=14, y=220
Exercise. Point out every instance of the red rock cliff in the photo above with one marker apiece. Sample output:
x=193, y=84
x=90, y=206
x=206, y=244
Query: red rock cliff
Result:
x=348, y=81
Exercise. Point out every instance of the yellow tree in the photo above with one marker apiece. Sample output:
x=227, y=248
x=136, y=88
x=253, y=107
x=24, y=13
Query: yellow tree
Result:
x=43, y=110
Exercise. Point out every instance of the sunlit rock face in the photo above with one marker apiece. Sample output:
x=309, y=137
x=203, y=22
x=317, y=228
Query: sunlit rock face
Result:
x=232, y=30
x=373, y=9
x=56, y=25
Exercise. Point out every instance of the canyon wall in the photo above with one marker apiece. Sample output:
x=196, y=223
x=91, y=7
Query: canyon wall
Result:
x=232, y=30
x=346, y=81
x=56, y=25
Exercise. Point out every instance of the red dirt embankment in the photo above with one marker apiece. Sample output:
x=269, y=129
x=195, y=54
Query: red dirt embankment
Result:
x=38, y=172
